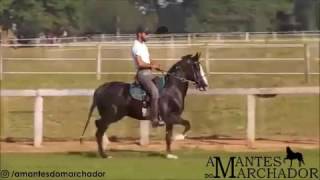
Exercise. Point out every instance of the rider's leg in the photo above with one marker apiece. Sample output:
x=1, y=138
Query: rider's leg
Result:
x=145, y=78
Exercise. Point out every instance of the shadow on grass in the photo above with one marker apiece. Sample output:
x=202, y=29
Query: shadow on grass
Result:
x=118, y=153
x=293, y=141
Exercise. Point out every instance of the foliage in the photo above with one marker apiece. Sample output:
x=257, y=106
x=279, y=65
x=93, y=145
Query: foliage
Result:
x=307, y=12
x=28, y=18
x=105, y=16
x=34, y=16
x=234, y=15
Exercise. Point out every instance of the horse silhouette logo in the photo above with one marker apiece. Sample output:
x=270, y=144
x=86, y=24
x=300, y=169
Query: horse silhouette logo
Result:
x=293, y=155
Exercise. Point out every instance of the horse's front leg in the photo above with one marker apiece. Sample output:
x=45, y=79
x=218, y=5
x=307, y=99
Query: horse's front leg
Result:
x=186, y=125
x=169, y=129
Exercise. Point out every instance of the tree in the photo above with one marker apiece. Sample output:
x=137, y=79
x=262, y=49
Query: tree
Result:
x=235, y=15
x=307, y=13
x=99, y=16
x=34, y=16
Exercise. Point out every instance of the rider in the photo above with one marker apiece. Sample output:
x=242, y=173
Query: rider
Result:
x=144, y=67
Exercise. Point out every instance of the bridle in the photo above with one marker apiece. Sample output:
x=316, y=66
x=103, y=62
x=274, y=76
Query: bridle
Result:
x=195, y=77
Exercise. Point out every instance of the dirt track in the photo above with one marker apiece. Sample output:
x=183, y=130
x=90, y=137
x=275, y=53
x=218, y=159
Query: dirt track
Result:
x=205, y=144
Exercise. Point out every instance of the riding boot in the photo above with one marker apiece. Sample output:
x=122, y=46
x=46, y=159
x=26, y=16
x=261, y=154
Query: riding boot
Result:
x=154, y=114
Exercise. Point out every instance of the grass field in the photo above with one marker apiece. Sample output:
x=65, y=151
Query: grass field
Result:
x=283, y=116
x=137, y=165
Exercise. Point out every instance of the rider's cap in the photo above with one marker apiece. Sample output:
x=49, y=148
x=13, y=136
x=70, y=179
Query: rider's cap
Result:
x=142, y=29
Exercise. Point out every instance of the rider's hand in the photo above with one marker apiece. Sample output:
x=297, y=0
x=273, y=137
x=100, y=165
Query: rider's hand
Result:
x=158, y=67
x=155, y=66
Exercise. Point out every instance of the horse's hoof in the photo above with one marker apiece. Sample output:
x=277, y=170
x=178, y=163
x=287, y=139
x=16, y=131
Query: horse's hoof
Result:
x=171, y=156
x=106, y=157
x=179, y=137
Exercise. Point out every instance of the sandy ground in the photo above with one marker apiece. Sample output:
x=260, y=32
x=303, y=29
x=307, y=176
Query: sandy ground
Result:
x=233, y=145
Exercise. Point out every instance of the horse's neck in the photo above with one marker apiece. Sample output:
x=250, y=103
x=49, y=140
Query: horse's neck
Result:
x=173, y=82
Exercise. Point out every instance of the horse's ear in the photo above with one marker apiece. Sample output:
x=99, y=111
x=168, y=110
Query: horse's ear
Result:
x=196, y=57
x=199, y=55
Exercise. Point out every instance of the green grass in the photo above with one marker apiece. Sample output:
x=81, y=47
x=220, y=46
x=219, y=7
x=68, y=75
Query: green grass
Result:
x=136, y=165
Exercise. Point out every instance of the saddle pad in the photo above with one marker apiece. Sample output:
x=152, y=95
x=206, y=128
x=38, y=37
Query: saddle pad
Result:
x=137, y=92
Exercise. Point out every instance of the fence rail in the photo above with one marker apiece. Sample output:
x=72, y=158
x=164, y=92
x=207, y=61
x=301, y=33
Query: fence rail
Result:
x=39, y=95
x=183, y=37
x=208, y=59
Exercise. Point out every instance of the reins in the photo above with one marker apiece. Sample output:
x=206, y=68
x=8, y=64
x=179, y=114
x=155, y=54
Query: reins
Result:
x=175, y=76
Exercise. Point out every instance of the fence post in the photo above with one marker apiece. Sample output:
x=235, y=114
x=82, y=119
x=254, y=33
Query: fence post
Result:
x=207, y=60
x=38, y=121
x=274, y=35
x=307, y=62
x=144, y=132
x=247, y=36
x=189, y=39
x=1, y=63
x=171, y=39
x=303, y=35
x=105, y=141
x=218, y=37
x=102, y=37
x=251, y=107
x=98, y=70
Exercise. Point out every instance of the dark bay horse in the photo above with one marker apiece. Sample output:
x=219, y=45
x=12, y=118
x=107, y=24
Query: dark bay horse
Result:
x=114, y=101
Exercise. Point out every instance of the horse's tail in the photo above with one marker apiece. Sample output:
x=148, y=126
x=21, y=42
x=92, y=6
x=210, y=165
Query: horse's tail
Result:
x=93, y=105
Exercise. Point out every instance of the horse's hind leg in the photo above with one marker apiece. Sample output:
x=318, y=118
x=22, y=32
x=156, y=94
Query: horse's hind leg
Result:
x=101, y=128
x=300, y=159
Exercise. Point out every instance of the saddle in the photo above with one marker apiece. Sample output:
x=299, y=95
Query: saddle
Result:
x=137, y=92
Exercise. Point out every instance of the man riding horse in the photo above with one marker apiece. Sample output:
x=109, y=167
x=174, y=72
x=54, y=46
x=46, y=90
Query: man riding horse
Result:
x=144, y=67
x=115, y=100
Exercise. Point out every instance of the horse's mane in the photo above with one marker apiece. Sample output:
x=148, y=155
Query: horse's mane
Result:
x=289, y=151
x=183, y=58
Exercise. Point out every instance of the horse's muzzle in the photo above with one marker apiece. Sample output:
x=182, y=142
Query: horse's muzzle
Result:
x=201, y=87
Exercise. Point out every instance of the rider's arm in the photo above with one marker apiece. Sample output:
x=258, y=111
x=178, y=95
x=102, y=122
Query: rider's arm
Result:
x=155, y=65
x=141, y=64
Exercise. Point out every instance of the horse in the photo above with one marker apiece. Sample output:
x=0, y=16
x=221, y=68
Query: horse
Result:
x=113, y=101
x=293, y=155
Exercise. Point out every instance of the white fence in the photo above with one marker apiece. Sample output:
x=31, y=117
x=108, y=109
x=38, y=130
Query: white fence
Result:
x=181, y=37
x=208, y=59
x=144, y=125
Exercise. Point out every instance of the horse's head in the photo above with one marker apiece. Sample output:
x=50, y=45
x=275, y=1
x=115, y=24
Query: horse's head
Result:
x=193, y=71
